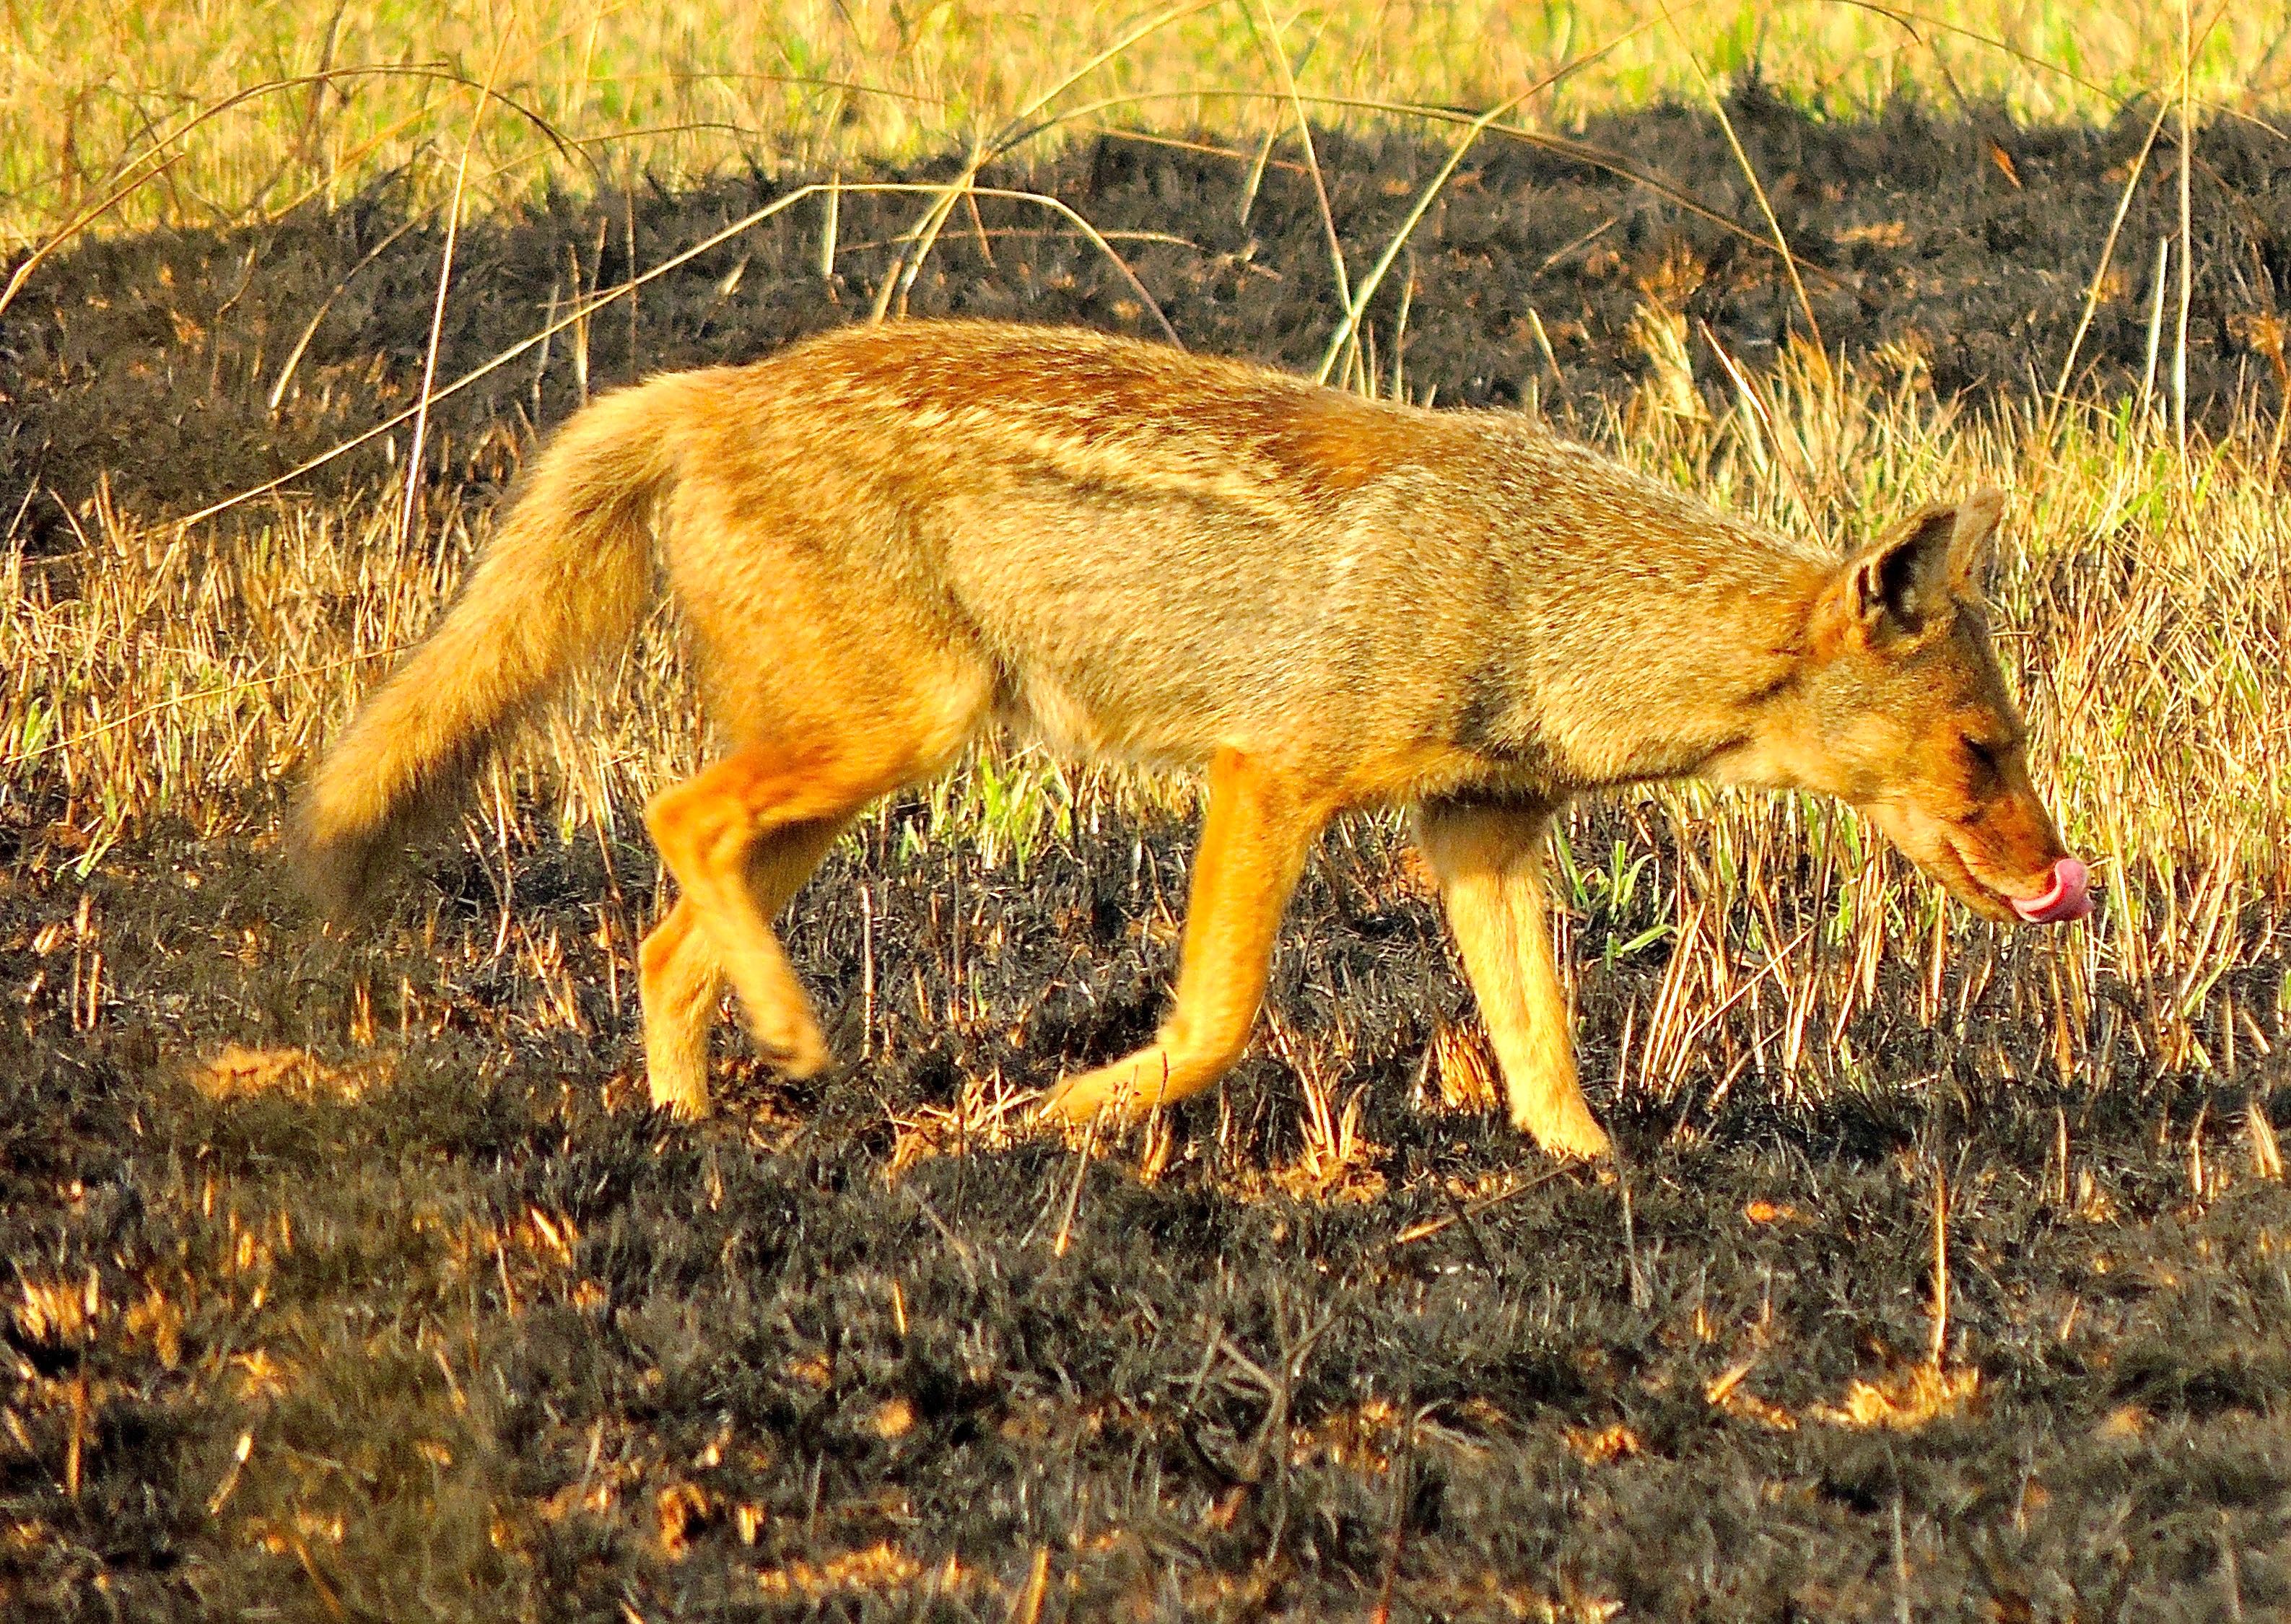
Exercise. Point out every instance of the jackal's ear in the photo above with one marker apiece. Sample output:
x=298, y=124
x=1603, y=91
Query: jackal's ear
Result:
x=1899, y=584
x=1972, y=543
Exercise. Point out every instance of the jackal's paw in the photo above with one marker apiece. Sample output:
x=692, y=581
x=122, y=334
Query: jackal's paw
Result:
x=1570, y=1132
x=1074, y=1101
x=796, y=1053
x=1114, y=1089
x=686, y=1098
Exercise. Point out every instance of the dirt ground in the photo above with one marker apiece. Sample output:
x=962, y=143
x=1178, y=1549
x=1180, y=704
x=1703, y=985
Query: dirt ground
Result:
x=505, y=1345
x=405, y=1307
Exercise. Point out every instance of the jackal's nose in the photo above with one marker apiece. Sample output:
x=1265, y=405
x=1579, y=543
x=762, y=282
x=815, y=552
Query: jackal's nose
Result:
x=2070, y=897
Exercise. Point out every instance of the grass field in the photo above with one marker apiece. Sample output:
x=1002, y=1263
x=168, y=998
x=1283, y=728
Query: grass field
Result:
x=1943, y=1275
x=245, y=108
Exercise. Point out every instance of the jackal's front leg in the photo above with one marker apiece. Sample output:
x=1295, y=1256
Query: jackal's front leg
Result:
x=1491, y=864
x=1254, y=841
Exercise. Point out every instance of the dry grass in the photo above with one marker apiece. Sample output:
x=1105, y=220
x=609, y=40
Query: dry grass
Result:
x=239, y=1073
x=2147, y=626
x=247, y=107
x=1904, y=1399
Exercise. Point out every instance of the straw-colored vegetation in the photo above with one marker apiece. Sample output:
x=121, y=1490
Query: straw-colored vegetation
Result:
x=228, y=109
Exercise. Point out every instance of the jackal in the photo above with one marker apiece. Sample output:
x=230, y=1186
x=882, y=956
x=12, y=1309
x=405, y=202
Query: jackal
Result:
x=884, y=539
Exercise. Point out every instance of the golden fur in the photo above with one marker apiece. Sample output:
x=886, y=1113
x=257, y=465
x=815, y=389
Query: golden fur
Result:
x=888, y=537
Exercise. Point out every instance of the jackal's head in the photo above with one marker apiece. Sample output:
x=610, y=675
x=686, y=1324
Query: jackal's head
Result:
x=1898, y=709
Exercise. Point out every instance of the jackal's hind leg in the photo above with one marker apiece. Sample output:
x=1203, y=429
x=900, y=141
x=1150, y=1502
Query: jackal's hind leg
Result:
x=1491, y=864
x=1254, y=841
x=678, y=981
x=779, y=1018
x=741, y=838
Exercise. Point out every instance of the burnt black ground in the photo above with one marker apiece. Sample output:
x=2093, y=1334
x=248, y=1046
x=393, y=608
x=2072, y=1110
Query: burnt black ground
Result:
x=451, y=1417
x=475, y=1325
x=152, y=360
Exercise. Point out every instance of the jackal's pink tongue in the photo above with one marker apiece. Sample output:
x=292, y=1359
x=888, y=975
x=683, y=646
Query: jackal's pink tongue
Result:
x=2070, y=897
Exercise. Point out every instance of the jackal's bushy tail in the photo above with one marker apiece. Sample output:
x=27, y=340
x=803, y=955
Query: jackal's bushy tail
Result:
x=566, y=577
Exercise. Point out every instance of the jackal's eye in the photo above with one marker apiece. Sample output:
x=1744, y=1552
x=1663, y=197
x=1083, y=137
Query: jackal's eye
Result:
x=1988, y=765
